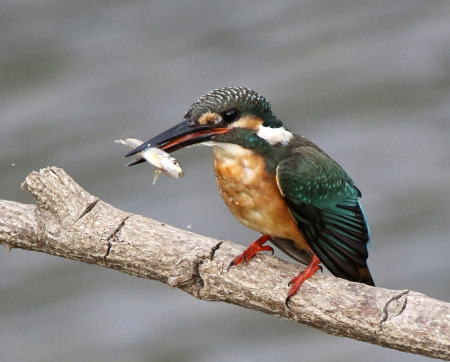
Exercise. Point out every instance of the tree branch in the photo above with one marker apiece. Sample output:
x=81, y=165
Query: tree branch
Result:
x=69, y=222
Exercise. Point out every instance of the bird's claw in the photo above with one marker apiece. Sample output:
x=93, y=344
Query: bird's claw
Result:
x=254, y=248
x=296, y=282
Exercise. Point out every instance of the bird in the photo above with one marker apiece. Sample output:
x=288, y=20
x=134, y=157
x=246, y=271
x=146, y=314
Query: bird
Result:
x=277, y=183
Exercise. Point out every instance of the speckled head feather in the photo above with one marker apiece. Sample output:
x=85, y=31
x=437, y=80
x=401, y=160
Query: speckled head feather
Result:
x=244, y=100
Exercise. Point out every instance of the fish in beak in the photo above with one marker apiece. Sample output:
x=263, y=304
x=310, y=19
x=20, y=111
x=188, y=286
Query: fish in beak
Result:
x=161, y=160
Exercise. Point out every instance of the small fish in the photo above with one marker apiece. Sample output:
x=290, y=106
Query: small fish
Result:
x=163, y=161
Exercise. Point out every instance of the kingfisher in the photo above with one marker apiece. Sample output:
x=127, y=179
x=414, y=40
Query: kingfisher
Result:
x=277, y=183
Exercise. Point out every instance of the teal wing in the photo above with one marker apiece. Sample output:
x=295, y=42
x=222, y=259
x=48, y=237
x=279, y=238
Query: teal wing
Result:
x=324, y=203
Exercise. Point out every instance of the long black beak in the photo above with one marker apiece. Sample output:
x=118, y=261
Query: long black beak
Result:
x=183, y=134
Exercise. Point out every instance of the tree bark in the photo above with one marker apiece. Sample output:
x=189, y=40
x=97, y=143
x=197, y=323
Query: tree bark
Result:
x=69, y=222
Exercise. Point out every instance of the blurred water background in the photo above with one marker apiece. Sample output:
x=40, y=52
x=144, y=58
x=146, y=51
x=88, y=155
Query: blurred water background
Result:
x=368, y=81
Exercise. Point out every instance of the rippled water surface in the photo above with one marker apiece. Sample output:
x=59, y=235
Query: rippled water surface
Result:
x=368, y=81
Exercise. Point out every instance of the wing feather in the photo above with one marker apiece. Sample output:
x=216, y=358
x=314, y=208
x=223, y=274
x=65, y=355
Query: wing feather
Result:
x=324, y=203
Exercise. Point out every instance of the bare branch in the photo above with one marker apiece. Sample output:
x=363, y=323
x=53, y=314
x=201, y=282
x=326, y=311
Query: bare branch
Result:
x=69, y=222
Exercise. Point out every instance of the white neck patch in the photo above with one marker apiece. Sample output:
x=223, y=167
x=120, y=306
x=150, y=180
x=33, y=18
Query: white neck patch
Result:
x=275, y=135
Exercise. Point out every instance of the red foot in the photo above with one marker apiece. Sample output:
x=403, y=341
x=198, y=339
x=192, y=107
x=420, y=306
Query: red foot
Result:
x=254, y=247
x=295, y=283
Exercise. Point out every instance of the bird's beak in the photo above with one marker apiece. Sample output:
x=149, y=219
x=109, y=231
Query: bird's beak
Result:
x=183, y=134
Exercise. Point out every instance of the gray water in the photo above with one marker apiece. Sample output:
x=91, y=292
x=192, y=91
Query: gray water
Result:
x=368, y=81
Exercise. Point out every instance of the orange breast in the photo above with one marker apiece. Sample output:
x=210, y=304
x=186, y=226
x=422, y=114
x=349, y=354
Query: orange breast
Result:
x=252, y=195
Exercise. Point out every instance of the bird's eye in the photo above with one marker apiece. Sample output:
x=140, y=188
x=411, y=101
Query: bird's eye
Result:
x=230, y=115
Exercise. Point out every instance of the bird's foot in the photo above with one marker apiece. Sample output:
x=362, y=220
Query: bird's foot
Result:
x=254, y=248
x=295, y=283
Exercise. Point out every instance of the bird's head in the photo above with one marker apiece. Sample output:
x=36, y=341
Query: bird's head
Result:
x=218, y=113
